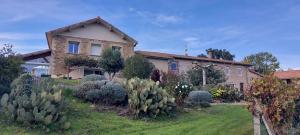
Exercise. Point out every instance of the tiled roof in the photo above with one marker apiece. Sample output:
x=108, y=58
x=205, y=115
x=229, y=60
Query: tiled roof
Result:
x=290, y=74
x=159, y=55
x=37, y=54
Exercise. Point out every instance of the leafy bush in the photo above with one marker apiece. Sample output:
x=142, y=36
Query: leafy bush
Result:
x=31, y=104
x=111, y=62
x=182, y=90
x=155, y=75
x=93, y=77
x=226, y=93
x=146, y=98
x=278, y=100
x=10, y=68
x=169, y=81
x=137, y=66
x=84, y=87
x=109, y=94
x=77, y=61
x=199, y=98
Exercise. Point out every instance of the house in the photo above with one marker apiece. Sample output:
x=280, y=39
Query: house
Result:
x=89, y=38
x=289, y=76
x=237, y=74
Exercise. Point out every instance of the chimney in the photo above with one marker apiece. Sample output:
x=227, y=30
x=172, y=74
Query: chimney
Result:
x=186, y=51
x=209, y=54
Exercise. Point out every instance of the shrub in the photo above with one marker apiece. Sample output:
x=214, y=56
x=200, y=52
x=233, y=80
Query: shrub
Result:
x=181, y=91
x=137, y=66
x=169, y=81
x=155, y=75
x=10, y=68
x=199, y=98
x=278, y=100
x=111, y=62
x=93, y=77
x=146, y=98
x=32, y=105
x=226, y=93
x=111, y=93
x=84, y=87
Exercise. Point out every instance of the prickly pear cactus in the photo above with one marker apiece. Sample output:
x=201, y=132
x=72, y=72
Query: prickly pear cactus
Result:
x=30, y=103
x=146, y=98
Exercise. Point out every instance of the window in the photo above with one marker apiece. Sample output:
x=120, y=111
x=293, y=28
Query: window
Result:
x=73, y=47
x=240, y=71
x=116, y=48
x=96, y=49
x=227, y=71
x=173, y=66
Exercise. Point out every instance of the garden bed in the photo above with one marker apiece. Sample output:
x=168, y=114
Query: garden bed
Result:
x=85, y=119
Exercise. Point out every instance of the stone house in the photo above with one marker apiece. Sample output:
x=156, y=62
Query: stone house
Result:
x=237, y=74
x=89, y=38
x=289, y=76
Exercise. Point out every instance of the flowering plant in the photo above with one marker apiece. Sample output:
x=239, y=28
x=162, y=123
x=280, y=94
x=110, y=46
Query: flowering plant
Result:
x=182, y=90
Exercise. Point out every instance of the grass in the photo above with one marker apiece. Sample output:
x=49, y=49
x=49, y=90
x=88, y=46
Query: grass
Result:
x=216, y=120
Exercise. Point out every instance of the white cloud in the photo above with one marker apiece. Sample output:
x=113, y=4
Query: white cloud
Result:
x=159, y=19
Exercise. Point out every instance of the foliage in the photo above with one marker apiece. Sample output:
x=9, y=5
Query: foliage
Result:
x=202, y=55
x=137, y=66
x=111, y=61
x=199, y=98
x=278, y=100
x=10, y=68
x=155, y=75
x=103, y=91
x=33, y=104
x=93, y=77
x=84, y=87
x=220, y=54
x=263, y=62
x=170, y=80
x=146, y=98
x=225, y=93
x=78, y=61
x=181, y=91
x=213, y=76
x=110, y=93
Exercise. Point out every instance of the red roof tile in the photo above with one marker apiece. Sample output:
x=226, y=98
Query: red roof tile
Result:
x=176, y=56
x=290, y=74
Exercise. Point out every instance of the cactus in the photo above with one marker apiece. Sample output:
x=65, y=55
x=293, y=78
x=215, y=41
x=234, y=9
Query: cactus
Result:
x=146, y=98
x=31, y=103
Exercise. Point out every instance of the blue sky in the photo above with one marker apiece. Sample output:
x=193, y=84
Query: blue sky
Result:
x=241, y=26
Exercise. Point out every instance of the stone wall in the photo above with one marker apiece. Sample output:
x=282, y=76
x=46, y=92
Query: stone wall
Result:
x=233, y=75
x=59, y=49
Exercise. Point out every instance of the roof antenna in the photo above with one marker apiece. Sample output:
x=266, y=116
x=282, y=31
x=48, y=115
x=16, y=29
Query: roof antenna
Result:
x=186, y=50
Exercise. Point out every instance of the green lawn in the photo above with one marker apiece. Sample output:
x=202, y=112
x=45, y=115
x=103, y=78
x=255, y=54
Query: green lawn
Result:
x=216, y=120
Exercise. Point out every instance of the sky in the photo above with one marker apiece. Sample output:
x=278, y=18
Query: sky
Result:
x=243, y=27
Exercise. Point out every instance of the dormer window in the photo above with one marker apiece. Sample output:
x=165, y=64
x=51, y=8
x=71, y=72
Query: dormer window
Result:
x=73, y=47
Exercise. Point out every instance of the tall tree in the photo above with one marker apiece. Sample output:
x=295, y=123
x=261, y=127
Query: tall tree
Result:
x=10, y=67
x=220, y=54
x=111, y=62
x=263, y=62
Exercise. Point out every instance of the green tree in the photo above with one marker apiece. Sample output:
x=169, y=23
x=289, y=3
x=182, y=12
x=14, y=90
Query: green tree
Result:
x=137, y=66
x=263, y=62
x=10, y=68
x=213, y=76
x=220, y=54
x=111, y=62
